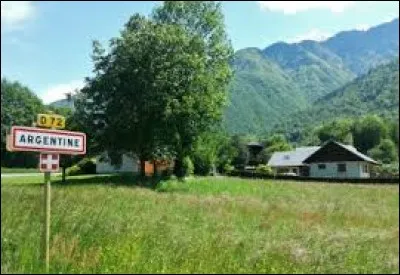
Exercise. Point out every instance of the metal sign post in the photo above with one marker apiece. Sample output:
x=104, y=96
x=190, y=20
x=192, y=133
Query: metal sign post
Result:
x=47, y=197
x=49, y=143
x=48, y=163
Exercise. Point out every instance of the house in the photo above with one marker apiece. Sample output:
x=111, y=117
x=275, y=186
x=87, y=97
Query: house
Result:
x=331, y=160
x=292, y=161
x=129, y=164
x=104, y=166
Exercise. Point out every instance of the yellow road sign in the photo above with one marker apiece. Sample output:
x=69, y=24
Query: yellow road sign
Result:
x=51, y=121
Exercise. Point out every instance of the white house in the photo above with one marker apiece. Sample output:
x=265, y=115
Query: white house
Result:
x=332, y=160
x=104, y=166
x=291, y=161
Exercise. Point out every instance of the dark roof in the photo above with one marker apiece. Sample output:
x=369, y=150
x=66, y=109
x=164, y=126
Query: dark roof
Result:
x=299, y=156
x=348, y=148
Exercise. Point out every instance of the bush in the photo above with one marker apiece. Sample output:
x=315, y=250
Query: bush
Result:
x=202, y=166
x=187, y=166
x=228, y=168
x=85, y=166
x=386, y=170
x=264, y=169
x=167, y=173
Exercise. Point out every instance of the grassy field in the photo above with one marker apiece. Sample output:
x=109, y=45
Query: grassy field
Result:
x=204, y=225
x=5, y=170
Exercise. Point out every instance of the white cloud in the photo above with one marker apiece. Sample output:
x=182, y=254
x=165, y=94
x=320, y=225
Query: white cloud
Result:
x=293, y=7
x=15, y=13
x=313, y=34
x=59, y=91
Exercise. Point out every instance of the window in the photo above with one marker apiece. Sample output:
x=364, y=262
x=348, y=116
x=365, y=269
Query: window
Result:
x=321, y=166
x=365, y=168
x=341, y=167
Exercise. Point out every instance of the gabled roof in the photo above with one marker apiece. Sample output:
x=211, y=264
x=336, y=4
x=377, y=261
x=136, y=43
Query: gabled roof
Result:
x=349, y=148
x=291, y=158
x=299, y=156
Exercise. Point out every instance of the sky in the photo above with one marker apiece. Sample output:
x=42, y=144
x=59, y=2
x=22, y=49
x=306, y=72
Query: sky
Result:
x=46, y=45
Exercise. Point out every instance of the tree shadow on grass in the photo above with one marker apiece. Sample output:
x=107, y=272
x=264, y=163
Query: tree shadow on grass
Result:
x=129, y=180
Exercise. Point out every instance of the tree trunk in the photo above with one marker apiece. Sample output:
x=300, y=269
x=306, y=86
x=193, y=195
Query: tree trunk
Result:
x=155, y=172
x=142, y=167
x=63, y=173
x=178, y=167
x=214, y=170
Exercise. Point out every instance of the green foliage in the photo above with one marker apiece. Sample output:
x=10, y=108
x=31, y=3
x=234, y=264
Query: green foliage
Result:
x=259, y=94
x=315, y=68
x=227, y=152
x=394, y=132
x=240, y=143
x=228, y=168
x=289, y=86
x=264, y=169
x=205, y=152
x=274, y=143
x=161, y=84
x=187, y=167
x=5, y=170
x=19, y=106
x=376, y=93
x=385, y=152
x=83, y=167
x=338, y=130
x=386, y=170
x=368, y=132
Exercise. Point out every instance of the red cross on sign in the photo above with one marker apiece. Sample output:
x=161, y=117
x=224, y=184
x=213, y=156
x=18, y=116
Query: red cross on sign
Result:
x=49, y=162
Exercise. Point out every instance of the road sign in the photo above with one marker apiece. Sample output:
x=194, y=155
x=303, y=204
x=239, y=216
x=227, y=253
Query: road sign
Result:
x=46, y=140
x=50, y=143
x=49, y=162
x=51, y=121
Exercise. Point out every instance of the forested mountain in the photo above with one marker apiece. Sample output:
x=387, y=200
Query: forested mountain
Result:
x=289, y=86
x=270, y=85
x=376, y=92
x=259, y=92
x=363, y=50
x=314, y=68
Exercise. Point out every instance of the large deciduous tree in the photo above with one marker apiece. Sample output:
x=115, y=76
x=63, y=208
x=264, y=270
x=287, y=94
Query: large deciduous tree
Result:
x=161, y=84
x=197, y=96
x=368, y=132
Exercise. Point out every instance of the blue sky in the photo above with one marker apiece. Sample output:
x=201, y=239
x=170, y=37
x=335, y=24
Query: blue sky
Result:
x=47, y=45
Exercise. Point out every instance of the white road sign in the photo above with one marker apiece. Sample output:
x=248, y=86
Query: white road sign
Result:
x=45, y=140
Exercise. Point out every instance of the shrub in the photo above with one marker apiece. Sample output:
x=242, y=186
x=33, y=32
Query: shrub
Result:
x=85, y=166
x=386, y=170
x=202, y=165
x=187, y=166
x=228, y=168
x=264, y=169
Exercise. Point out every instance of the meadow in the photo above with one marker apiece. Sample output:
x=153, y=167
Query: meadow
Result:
x=5, y=170
x=119, y=224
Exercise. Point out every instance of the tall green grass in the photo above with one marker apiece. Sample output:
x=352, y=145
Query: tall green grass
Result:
x=203, y=225
x=5, y=170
